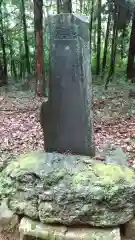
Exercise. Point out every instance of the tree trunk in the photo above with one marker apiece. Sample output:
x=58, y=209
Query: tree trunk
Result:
x=2, y=75
x=13, y=67
x=14, y=72
x=20, y=62
x=94, y=38
x=38, y=24
x=106, y=41
x=113, y=47
x=64, y=6
x=2, y=40
x=114, y=42
x=123, y=35
x=25, y=39
x=4, y=59
x=98, y=38
x=131, y=53
x=81, y=5
x=91, y=21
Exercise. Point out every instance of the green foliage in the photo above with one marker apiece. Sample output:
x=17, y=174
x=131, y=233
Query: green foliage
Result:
x=14, y=37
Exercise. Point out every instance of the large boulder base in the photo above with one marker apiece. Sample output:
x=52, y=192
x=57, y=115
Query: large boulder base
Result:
x=69, y=189
x=29, y=228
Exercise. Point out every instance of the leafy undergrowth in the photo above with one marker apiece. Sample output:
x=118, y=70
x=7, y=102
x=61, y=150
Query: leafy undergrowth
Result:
x=20, y=130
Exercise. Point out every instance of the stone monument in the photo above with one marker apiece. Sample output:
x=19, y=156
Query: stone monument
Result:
x=67, y=118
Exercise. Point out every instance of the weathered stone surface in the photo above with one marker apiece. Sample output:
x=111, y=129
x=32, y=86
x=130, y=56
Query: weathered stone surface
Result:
x=69, y=189
x=93, y=234
x=29, y=228
x=114, y=154
x=69, y=107
x=8, y=220
x=43, y=231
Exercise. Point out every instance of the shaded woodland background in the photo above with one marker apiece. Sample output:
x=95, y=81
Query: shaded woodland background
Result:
x=24, y=50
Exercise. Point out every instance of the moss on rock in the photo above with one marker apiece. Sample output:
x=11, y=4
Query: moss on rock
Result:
x=112, y=173
x=69, y=189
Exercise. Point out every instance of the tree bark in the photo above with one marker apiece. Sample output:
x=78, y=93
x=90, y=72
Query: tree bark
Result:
x=2, y=40
x=131, y=53
x=113, y=47
x=81, y=5
x=12, y=63
x=25, y=39
x=38, y=24
x=123, y=35
x=98, y=38
x=91, y=21
x=106, y=41
x=64, y=6
x=2, y=75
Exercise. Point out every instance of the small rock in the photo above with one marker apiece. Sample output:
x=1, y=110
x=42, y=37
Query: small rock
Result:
x=116, y=156
x=130, y=229
x=29, y=228
x=8, y=220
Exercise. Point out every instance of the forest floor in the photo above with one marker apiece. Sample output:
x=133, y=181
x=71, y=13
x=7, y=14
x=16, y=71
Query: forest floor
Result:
x=20, y=131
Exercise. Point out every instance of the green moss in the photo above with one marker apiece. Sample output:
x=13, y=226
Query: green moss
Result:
x=33, y=226
x=30, y=159
x=55, y=177
x=113, y=173
x=6, y=186
x=84, y=176
x=27, y=161
x=107, y=174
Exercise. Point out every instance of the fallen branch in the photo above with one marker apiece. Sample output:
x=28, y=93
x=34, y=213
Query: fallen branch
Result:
x=18, y=110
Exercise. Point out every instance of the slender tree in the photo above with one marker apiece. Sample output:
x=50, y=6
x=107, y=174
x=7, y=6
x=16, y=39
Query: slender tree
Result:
x=21, y=61
x=81, y=5
x=25, y=38
x=38, y=25
x=123, y=35
x=64, y=6
x=12, y=64
x=91, y=21
x=114, y=45
x=106, y=40
x=131, y=53
x=3, y=47
x=98, y=38
x=2, y=77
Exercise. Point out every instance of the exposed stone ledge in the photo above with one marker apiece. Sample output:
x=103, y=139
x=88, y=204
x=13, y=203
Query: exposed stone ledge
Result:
x=30, y=229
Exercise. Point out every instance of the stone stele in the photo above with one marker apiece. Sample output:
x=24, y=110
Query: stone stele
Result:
x=67, y=121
